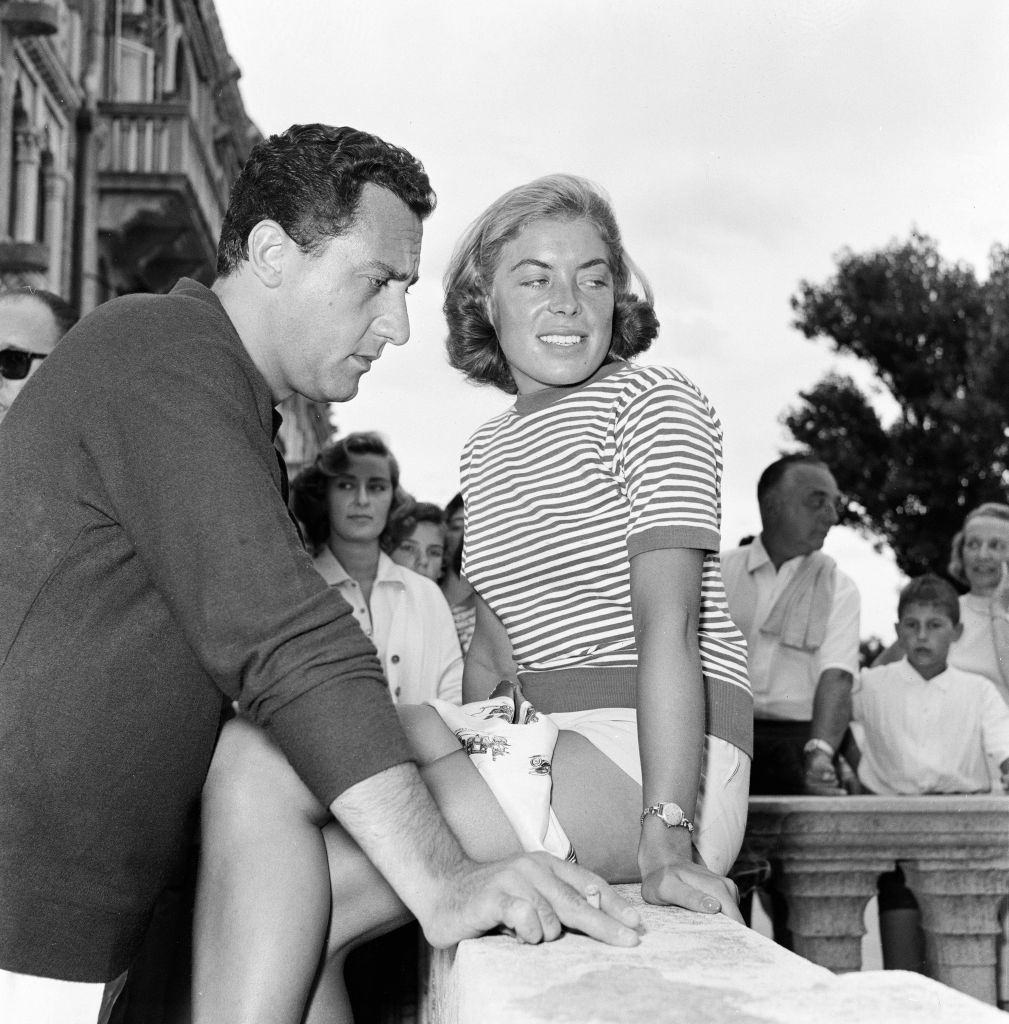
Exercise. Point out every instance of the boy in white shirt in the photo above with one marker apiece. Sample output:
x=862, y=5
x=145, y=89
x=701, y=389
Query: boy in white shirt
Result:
x=924, y=727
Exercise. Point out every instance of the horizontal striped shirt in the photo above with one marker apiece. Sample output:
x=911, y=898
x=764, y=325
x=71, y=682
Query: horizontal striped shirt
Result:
x=565, y=487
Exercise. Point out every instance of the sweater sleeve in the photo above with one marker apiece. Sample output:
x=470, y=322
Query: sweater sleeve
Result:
x=188, y=470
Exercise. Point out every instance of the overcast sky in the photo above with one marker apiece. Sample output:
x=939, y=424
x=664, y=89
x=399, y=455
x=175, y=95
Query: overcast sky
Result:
x=743, y=145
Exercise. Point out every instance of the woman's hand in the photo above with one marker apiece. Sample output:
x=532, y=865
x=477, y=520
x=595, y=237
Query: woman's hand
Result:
x=693, y=887
x=1000, y=596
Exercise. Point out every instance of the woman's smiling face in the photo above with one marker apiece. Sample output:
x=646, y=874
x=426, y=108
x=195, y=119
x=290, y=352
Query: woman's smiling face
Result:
x=551, y=303
x=985, y=550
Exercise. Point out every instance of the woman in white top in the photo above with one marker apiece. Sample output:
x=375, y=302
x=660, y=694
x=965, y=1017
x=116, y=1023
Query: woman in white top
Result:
x=978, y=559
x=344, y=501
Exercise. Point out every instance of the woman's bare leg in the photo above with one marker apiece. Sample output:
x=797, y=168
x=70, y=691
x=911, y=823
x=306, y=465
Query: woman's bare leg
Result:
x=256, y=956
x=601, y=819
x=262, y=906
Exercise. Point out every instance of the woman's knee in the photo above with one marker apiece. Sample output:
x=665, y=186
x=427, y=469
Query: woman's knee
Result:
x=250, y=778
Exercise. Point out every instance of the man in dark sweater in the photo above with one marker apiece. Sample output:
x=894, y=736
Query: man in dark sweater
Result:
x=150, y=572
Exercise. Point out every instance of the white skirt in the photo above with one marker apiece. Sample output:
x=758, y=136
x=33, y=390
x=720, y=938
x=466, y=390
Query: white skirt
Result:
x=492, y=740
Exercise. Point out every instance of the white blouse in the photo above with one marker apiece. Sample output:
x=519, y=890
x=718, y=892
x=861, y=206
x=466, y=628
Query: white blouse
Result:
x=410, y=624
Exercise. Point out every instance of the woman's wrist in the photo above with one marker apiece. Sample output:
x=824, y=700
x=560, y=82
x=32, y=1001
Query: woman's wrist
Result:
x=660, y=846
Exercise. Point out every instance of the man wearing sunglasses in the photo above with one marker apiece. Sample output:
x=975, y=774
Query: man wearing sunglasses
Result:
x=31, y=322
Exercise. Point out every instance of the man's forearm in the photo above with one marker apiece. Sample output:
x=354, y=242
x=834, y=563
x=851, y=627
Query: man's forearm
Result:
x=397, y=824
x=832, y=706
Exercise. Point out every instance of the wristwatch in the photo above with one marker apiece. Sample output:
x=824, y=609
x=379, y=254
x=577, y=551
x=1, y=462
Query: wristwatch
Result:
x=671, y=815
x=821, y=745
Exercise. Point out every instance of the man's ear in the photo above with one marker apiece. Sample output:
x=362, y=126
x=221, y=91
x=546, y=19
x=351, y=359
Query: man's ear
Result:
x=269, y=245
x=958, y=631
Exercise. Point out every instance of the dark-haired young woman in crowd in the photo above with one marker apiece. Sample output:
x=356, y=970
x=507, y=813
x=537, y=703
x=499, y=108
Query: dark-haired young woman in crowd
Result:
x=346, y=502
x=592, y=532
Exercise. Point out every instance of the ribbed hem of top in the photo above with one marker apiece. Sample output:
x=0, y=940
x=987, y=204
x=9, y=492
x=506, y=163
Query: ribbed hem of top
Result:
x=728, y=712
x=658, y=538
x=580, y=689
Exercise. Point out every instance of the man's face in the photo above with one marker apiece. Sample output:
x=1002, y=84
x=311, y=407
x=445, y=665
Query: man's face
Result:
x=801, y=509
x=341, y=307
x=28, y=325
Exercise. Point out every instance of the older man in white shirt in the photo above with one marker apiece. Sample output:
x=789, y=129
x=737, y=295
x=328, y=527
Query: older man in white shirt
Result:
x=800, y=616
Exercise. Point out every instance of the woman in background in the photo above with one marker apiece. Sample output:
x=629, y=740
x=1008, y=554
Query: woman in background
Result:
x=345, y=501
x=417, y=538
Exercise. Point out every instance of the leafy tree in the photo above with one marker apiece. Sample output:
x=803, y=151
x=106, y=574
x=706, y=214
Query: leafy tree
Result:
x=937, y=339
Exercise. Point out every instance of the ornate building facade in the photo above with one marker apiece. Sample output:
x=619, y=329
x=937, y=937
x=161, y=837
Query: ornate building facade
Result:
x=121, y=130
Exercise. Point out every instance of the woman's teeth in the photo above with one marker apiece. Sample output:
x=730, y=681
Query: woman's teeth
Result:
x=561, y=339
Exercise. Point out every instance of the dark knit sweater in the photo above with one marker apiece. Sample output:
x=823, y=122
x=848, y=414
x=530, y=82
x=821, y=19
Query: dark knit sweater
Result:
x=148, y=566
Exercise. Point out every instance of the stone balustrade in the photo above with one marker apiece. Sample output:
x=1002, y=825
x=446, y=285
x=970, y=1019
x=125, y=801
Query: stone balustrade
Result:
x=954, y=852
x=688, y=969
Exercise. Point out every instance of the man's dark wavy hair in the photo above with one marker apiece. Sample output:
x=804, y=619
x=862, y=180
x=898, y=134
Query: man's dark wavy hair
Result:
x=309, y=180
x=472, y=342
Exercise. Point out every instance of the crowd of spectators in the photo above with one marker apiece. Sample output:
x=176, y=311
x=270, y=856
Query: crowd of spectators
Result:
x=632, y=645
x=930, y=715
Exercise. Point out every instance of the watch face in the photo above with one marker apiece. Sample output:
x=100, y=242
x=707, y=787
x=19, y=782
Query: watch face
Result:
x=671, y=814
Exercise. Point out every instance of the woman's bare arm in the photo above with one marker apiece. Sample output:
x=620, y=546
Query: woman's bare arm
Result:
x=489, y=658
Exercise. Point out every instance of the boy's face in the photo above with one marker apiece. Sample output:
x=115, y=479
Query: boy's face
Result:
x=925, y=631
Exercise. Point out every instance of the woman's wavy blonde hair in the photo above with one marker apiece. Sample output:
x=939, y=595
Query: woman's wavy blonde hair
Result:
x=472, y=342
x=992, y=509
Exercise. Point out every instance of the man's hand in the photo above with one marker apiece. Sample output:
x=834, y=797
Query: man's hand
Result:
x=534, y=895
x=693, y=887
x=819, y=777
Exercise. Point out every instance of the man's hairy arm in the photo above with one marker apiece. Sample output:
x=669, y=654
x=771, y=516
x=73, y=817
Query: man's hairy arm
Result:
x=395, y=821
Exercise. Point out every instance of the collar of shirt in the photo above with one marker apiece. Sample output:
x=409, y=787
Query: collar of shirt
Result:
x=757, y=558
x=912, y=676
x=329, y=567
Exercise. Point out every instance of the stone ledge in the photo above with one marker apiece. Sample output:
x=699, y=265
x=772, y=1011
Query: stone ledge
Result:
x=689, y=969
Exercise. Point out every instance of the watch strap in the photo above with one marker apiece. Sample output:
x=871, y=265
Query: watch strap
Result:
x=818, y=744
x=657, y=810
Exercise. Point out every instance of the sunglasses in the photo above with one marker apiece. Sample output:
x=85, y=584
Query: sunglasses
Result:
x=16, y=362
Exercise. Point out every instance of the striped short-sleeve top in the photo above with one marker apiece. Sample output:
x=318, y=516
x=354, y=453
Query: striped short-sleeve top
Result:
x=565, y=487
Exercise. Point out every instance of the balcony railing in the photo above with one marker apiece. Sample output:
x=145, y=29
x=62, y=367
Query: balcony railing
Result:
x=162, y=139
